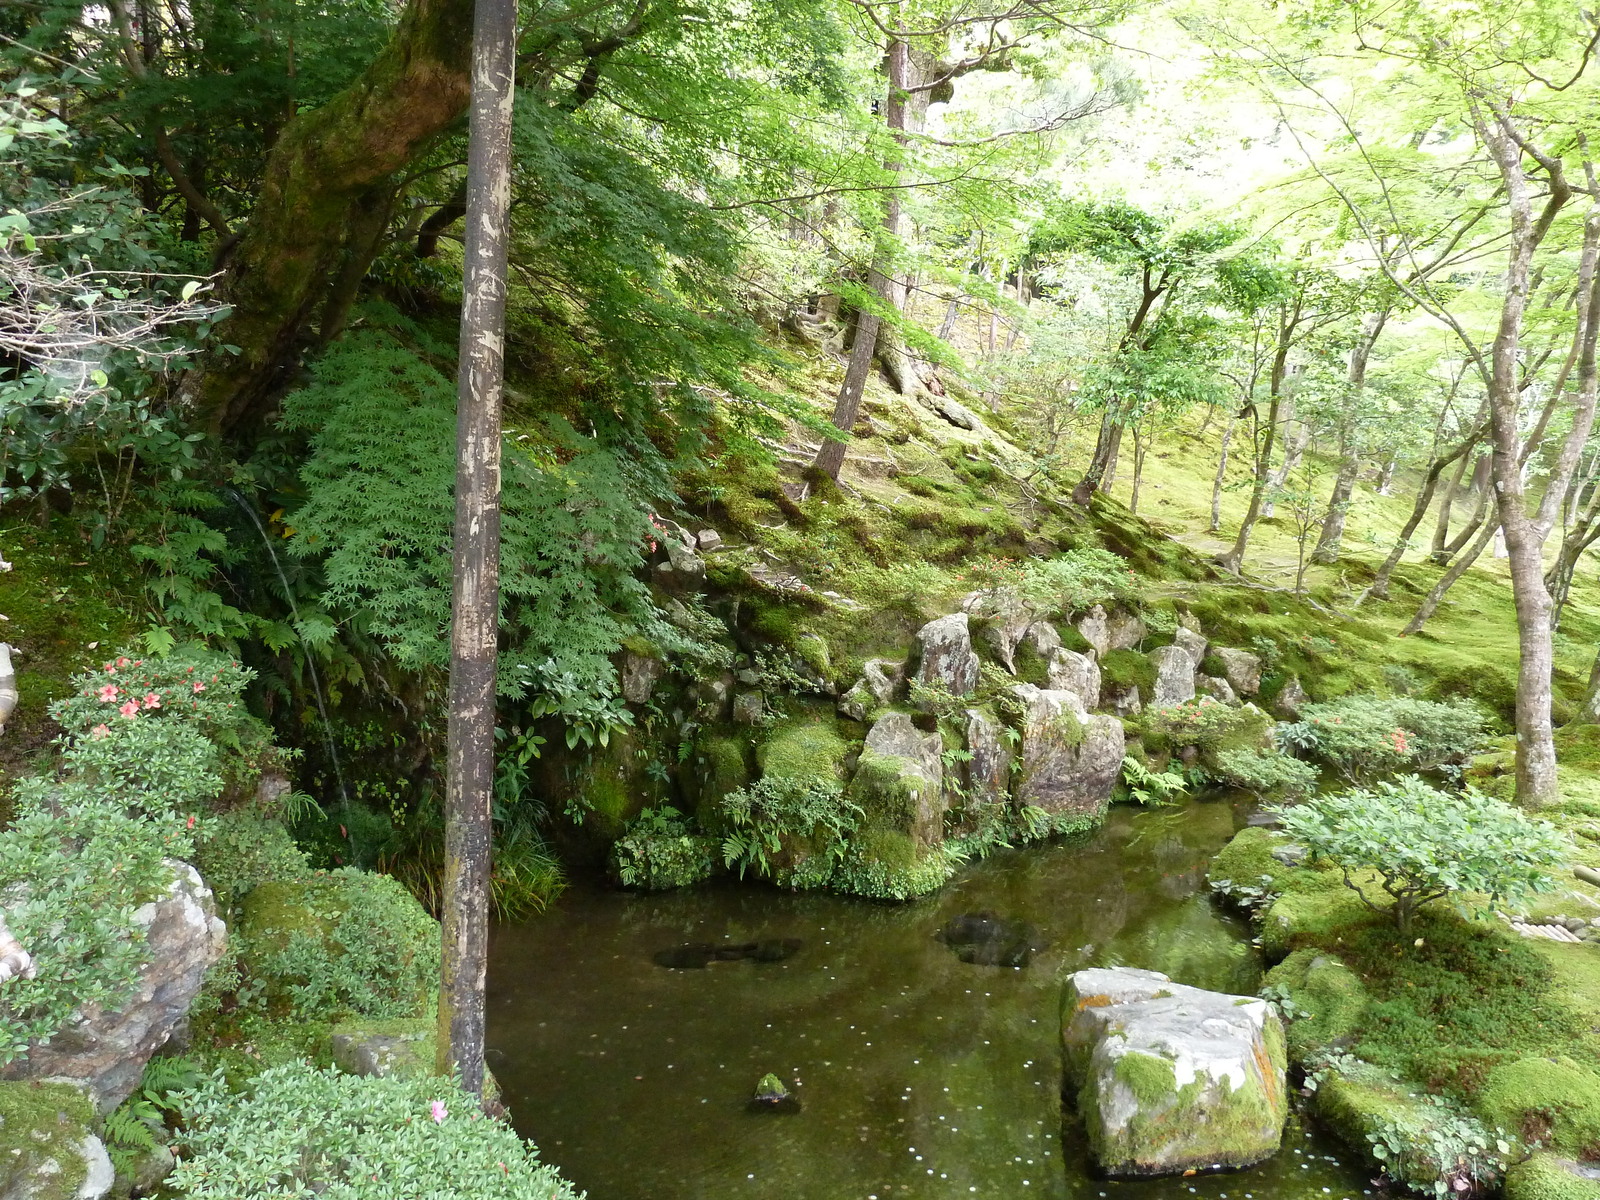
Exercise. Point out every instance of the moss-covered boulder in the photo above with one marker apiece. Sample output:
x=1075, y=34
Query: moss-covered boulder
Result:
x=1070, y=760
x=1418, y=1139
x=47, y=1148
x=945, y=658
x=899, y=781
x=719, y=765
x=1169, y=1078
x=1554, y=1102
x=803, y=751
x=1330, y=997
x=1548, y=1176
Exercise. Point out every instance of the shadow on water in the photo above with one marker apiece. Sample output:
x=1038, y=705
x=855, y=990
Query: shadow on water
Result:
x=920, y=1075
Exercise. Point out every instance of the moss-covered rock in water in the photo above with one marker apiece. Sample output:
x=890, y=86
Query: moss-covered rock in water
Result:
x=1169, y=1078
x=47, y=1149
x=899, y=781
x=341, y=942
x=1416, y=1138
x=1298, y=906
x=1552, y=1101
x=1551, y=1177
x=886, y=864
x=720, y=764
x=1070, y=761
x=1330, y=997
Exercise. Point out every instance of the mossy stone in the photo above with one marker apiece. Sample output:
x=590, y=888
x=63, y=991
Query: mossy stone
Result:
x=721, y=765
x=41, y=1124
x=1554, y=1101
x=1127, y=668
x=1329, y=992
x=804, y=751
x=1547, y=1176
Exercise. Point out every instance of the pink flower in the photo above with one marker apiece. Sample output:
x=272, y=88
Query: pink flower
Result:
x=152, y=701
x=99, y=731
x=198, y=686
x=108, y=693
x=130, y=709
x=440, y=1112
x=122, y=662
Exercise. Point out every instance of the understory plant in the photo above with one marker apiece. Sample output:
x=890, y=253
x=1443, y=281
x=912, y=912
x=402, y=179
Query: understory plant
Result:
x=298, y=1130
x=773, y=811
x=1264, y=771
x=1415, y=845
x=1364, y=737
x=661, y=850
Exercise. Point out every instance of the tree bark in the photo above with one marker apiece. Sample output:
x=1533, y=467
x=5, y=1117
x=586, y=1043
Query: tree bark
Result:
x=329, y=166
x=847, y=406
x=1441, y=526
x=1328, y=541
x=475, y=611
x=1430, y=602
x=1462, y=451
x=1233, y=560
x=1222, y=471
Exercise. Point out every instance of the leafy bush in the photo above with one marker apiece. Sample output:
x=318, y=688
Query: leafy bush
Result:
x=348, y=941
x=661, y=850
x=771, y=811
x=241, y=850
x=74, y=866
x=1263, y=771
x=156, y=767
x=1367, y=736
x=199, y=685
x=1080, y=579
x=1425, y=844
x=302, y=1131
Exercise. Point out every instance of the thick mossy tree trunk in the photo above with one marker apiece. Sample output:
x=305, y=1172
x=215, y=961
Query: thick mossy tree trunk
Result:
x=475, y=611
x=322, y=209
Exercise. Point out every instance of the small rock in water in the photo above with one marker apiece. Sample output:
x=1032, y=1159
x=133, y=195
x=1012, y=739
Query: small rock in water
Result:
x=698, y=955
x=773, y=1095
x=986, y=940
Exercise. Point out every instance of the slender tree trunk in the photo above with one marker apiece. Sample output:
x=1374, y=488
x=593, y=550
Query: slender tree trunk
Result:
x=329, y=165
x=1578, y=538
x=1441, y=526
x=1430, y=602
x=1233, y=560
x=847, y=406
x=1467, y=532
x=1328, y=542
x=1380, y=582
x=475, y=610
x=1139, y=448
x=1222, y=470
x=1589, y=711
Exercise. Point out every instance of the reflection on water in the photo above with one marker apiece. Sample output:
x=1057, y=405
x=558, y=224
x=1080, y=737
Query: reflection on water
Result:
x=920, y=1075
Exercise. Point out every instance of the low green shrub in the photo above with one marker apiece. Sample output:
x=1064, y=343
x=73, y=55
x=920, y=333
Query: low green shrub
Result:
x=886, y=864
x=301, y=1131
x=343, y=942
x=74, y=865
x=243, y=849
x=772, y=812
x=1426, y=844
x=157, y=767
x=1266, y=772
x=1366, y=736
x=661, y=850
x=1080, y=579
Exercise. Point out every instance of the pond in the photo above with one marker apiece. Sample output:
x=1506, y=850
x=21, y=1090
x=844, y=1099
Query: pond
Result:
x=919, y=1075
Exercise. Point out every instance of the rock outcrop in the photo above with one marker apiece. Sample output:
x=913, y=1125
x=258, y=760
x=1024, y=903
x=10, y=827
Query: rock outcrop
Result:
x=945, y=656
x=1006, y=617
x=880, y=682
x=1170, y=1078
x=1216, y=687
x=1191, y=642
x=899, y=781
x=105, y=1052
x=1241, y=668
x=1124, y=631
x=988, y=770
x=1070, y=760
x=1175, y=672
x=1096, y=630
x=1069, y=671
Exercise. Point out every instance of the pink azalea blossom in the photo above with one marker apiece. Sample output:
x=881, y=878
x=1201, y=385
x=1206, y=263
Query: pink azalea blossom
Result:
x=130, y=709
x=198, y=686
x=99, y=731
x=440, y=1112
x=152, y=701
x=109, y=693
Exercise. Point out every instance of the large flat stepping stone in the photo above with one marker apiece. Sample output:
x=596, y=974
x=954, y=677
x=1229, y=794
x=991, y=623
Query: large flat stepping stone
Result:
x=1170, y=1078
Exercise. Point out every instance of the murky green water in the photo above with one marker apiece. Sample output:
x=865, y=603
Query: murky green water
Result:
x=921, y=1076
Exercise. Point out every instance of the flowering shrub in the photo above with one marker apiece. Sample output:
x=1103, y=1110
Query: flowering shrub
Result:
x=302, y=1131
x=1363, y=737
x=199, y=685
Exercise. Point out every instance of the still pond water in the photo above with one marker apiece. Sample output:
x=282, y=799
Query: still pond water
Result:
x=920, y=1075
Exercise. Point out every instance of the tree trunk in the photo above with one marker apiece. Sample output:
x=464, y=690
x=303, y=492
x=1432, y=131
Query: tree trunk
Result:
x=1441, y=526
x=1139, y=449
x=864, y=348
x=330, y=166
x=1589, y=711
x=1328, y=542
x=1222, y=470
x=1233, y=560
x=475, y=611
x=1462, y=451
x=1430, y=602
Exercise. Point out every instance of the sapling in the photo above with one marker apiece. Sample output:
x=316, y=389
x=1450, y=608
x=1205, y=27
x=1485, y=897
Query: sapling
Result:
x=1424, y=844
